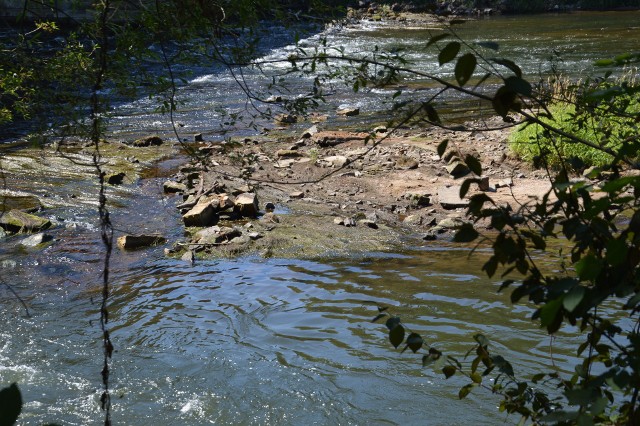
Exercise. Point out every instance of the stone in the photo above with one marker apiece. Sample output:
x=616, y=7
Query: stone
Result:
x=286, y=119
x=129, y=242
x=348, y=112
x=153, y=140
x=173, y=187
x=270, y=218
x=413, y=219
x=457, y=168
x=338, y=221
x=368, y=223
x=419, y=198
x=349, y=221
x=288, y=153
x=449, y=198
x=216, y=235
x=333, y=138
x=36, y=240
x=380, y=129
x=18, y=221
x=202, y=214
x=335, y=161
x=483, y=184
x=246, y=205
x=450, y=223
x=114, y=178
x=310, y=132
x=504, y=183
x=430, y=236
x=406, y=163
x=296, y=195
x=225, y=202
x=255, y=236
x=188, y=257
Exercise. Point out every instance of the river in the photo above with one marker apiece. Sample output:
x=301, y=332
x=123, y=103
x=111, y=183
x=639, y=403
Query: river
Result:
x=272, y=341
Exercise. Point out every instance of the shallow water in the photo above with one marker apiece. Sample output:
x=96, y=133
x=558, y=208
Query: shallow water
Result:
x=254, y=341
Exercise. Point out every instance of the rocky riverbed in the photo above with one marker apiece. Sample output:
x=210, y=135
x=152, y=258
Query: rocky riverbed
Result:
x=321, y=192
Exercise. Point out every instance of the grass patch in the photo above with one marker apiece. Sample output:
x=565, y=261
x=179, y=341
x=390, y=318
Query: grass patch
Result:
x=612, y=123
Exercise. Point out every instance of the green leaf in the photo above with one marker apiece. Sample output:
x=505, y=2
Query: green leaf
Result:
x=503, y=100
x=509, y=64
x=474, y=164
x=465, y=390
x=432, y=114
x=589, y=267
x=476, y=378
x=396, y=336
x=518, y=85
x=449, y=371
x=549, y=312
x=572, y=299
x=465, y=67
x=437, y=38
x=442, y=147
x=414, y=342
x=10, y=405
x=465, y=234
x=379, y=316
x=616, y=252
x=449, y=52
x=392, y=322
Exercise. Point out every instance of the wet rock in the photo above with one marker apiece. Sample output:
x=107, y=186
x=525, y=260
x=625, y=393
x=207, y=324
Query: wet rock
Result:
x=246, y=205
x=36, y=240
x=202, y=214
x=348, y=112
x=115, y=178
x=17, y=221
x=172, y=187
x=188, y=257
x=449, y=198
x=152, y=140
x=130, y=242
x=216, y=235
x=450, y=222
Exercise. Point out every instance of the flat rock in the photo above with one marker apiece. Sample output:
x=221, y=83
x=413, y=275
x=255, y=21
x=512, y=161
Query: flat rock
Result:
x=406, y=163
x=216, y=235
x=288, y=153
x=173, y=187
x=129, y=242
x=348, y=112
x=36, y=240
x=336, y=161
x=449, y=197
x=18, y=221
x=334, y=138
x=450, y=222
x=296, y=195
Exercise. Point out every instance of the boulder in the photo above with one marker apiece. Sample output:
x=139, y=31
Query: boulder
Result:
x=202, y=214
x=36, y=240
x=449, y=197
x=348, y=112
x=17, y=221
x=148, y=141
x=172, y=187
x=419, y=198
x=246, y=204
x=130, y=242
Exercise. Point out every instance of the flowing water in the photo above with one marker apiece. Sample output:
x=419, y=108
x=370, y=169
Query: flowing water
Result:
x=255, y=341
